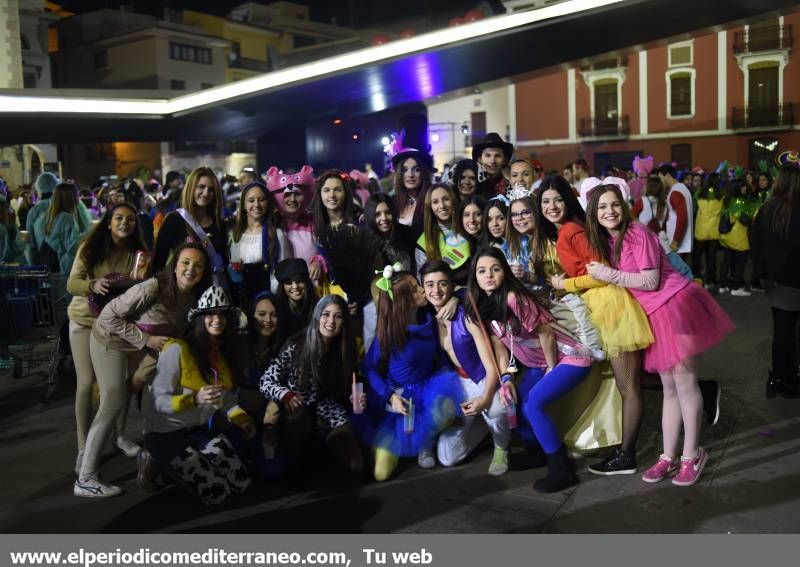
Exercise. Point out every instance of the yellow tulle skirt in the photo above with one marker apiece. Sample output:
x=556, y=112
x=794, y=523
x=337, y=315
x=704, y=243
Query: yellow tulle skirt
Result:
x=622, y=322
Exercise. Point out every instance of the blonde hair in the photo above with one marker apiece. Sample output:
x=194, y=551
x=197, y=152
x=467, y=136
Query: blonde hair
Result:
x=187, y=199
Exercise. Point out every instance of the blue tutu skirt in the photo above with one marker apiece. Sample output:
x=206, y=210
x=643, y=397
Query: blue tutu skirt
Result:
x=436, y=402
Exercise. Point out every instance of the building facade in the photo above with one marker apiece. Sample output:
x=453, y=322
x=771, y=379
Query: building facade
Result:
x=717, y=95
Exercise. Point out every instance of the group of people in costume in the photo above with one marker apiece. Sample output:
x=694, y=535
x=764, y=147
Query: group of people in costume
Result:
x=318, y=324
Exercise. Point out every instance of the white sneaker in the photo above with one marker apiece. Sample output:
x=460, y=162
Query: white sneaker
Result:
x=741, y=292
x=426, y=459
x=91, y=487
x=723, y=290
x=128, y=447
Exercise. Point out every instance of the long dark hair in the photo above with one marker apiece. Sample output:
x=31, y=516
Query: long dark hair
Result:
x=478, y=201
x=546, y=231
x=272, y=220
x=495, y=306
x=168, y=285
x=401, y=195
x=306, y=307
x=597, y=235
x=370, y=208
x=785, y=199
x=486, y=236
x=98, y=243
x=201, y=345
x=328, y=369
x=275, y=342
x=656, y=186
x=320, y=213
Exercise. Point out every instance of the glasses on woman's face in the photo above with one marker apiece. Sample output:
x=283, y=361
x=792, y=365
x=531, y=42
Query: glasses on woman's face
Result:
x=524, y=214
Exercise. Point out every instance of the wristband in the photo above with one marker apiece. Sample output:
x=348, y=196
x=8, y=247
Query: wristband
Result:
x=505, y=378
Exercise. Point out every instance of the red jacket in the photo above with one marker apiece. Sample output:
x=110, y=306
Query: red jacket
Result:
x=573, y=249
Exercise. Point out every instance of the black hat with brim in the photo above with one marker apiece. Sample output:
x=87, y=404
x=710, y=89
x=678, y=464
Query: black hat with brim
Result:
x=419, y=155
x=492, y=140
x=290, y=269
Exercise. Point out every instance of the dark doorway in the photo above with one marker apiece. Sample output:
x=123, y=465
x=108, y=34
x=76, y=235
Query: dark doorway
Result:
x=624, y=160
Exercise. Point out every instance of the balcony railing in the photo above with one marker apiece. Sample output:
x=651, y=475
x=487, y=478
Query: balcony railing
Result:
x=762, y=39
x=602, y=64
x=249, y=64
x=763, y=116
x=596, y=127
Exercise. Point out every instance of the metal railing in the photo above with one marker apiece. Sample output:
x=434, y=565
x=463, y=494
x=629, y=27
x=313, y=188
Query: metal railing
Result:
x=762, y=39
x=249, y=64
x=763, y=116
x=597, y=127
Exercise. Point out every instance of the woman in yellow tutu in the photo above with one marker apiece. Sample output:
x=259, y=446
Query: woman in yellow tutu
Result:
x=622, y=323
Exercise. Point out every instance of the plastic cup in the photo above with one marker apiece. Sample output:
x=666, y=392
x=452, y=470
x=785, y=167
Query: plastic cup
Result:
x=408, y=422
x=358, y=389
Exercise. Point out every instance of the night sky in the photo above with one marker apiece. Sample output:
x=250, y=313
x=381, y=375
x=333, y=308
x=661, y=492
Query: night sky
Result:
x=355, y=13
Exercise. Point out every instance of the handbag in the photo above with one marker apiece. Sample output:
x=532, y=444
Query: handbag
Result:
x=118, y=284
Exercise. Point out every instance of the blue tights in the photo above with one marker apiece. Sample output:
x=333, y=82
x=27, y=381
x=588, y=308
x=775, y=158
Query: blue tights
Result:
x=535, y=392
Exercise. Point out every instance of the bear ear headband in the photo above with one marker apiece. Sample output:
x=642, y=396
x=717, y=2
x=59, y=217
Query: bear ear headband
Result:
x=385, y=282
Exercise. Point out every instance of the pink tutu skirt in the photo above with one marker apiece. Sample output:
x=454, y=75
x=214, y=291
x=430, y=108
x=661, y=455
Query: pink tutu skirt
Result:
x=689, y=323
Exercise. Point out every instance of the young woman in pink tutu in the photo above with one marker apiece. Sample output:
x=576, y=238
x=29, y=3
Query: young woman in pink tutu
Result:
x=684, y=318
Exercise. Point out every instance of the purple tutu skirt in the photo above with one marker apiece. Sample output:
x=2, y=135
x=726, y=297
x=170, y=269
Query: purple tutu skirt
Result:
x=689, y=323
x=436, y=400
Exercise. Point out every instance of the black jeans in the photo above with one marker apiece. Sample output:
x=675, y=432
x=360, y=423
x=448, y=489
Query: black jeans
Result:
x=707, y=248
x=732, y=270
x=784, y=343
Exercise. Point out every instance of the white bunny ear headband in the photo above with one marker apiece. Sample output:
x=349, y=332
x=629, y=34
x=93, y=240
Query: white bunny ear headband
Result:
x=385, y=282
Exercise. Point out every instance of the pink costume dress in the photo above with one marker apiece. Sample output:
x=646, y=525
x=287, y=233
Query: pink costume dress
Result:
x=684, y=318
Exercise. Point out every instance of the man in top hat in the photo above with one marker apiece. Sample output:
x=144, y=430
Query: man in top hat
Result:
x=493, y=154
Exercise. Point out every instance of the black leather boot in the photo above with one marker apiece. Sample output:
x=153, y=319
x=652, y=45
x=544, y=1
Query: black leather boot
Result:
x=560, y=473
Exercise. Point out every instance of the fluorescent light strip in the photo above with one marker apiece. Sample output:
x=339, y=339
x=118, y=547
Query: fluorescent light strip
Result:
x=303, y=72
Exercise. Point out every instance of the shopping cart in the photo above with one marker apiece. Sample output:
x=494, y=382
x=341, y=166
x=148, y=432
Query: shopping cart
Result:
x=33, y=307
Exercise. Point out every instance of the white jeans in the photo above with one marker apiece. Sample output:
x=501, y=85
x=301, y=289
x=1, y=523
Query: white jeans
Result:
x=458, y=441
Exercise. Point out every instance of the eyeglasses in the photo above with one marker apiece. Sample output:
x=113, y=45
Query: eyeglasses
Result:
x=526, y=214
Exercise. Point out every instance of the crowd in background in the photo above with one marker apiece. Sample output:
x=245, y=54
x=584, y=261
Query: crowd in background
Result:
x=278, y=323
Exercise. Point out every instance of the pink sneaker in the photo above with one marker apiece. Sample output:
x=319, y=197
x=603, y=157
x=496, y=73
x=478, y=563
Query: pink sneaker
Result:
x=665, y=466
x=691, y=469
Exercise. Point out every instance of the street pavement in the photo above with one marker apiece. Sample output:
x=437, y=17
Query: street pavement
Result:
x=751, y=483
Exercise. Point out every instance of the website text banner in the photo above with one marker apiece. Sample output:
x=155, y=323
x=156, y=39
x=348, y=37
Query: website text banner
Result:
x=392, y=550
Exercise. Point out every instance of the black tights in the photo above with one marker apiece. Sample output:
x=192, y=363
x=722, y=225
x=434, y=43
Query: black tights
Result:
x=627, y=373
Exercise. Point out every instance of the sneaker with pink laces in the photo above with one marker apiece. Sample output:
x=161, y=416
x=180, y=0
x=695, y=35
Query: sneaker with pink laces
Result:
x=691, y=469
x=665, y=466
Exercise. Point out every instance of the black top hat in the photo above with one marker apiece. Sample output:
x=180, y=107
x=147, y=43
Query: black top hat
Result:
x=414, y=142
x=492, y=140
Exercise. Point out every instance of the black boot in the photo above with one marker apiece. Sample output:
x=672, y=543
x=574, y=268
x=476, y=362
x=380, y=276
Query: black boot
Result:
x=535, y=456
x=711, y=392
x=785, y=389
x=560, y=473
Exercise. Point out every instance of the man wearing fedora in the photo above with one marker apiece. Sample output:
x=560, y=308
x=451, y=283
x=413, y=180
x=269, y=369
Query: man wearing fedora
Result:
x=493, y=154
